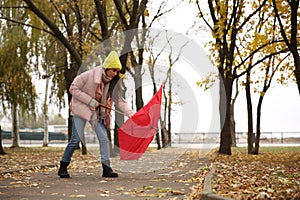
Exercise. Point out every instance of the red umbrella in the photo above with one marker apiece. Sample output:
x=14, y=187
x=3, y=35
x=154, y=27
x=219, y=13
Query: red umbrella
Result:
x=137, y=132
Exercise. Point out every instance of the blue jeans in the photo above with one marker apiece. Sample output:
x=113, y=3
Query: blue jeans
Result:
x=77, y=134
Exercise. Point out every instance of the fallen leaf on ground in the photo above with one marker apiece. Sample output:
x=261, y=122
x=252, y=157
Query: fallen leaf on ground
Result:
x=274, y=173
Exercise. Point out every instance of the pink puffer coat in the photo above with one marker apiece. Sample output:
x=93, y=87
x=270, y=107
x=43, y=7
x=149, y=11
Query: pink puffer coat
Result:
x=83, y=90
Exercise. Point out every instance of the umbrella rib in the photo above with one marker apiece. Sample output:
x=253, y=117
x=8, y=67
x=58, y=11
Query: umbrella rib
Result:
x=154, y=127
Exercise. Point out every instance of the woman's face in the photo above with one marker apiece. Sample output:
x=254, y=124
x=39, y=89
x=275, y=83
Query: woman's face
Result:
x=112, y=72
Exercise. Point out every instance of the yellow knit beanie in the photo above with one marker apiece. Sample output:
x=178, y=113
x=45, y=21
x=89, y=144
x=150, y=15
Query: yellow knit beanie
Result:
x=112, y=61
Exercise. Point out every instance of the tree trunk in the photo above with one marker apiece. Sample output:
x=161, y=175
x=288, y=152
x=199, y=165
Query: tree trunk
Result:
x=232, y=126
x=233, y=132
x=294, y=45
x=46, y=133
x=297, y=72
x=15, y=127
x=45, y=112
x=225, y=144
x=2, y=152
x=165, y=134
x=170, y=107
x=119, y=120
x=159, y=133
x=222, y=102
x=112, y=151
x=250, y=114
x=84, y=148
x=138, y=75
x=157, y=138
x=257, y=138
x=226, y=140
x=139, y=90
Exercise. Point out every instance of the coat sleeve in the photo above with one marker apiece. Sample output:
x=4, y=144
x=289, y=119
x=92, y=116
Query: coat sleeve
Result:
x=76, y=88
x=123, y=106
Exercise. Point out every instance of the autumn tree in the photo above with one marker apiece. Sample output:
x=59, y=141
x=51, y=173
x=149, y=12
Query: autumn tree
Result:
x=161, y=136
x=287, y=15
x=171, y=61
x=17, y=91
x=273, y=61
x=226, y=22
x=60, y=17
x=261, y=67
x=259, y=50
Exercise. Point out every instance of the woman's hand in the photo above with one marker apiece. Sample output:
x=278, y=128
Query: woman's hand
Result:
x=93, y=104
x=131, y=114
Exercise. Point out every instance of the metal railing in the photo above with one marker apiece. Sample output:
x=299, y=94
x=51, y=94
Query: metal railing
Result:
x=241, y=137
x=186, y=138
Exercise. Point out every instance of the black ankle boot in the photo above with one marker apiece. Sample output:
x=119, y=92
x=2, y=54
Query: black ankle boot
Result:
x=63, y=172
x=107, y=171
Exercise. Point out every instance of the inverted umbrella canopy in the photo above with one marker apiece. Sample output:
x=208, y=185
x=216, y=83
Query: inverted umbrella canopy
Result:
x=137, y=132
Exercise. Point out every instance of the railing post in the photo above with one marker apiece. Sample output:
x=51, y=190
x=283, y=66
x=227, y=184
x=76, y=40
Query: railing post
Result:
x=271, y=137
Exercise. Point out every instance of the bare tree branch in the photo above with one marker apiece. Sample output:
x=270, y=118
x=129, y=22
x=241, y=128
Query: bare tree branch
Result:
x=159, y=12
x=28, y=25
x=202, y=16
x=12, y=7
x=59, y=14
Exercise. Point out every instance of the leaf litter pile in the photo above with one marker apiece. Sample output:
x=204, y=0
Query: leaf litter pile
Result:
x=272, y=174
x=22, y=160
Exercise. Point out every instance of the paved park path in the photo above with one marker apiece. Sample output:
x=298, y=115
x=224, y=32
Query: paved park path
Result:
x=165, y=174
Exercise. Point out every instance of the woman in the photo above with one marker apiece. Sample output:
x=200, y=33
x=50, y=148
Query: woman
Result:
x=90, y=91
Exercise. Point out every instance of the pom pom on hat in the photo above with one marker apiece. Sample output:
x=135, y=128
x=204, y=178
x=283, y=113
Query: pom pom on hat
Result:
x=112, y=61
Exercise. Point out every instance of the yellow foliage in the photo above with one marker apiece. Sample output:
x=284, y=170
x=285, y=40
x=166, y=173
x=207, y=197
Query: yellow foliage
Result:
x=146, y=12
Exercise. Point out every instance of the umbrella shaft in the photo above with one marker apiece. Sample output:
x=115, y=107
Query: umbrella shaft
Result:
x=105, y=106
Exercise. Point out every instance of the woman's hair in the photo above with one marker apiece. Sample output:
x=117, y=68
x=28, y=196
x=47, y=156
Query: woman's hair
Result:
x=115, y=85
